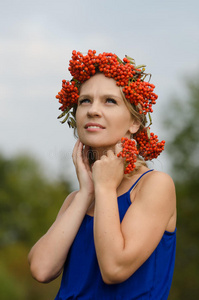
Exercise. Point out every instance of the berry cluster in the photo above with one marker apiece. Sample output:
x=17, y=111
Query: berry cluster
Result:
x=125, y=73
x=148, y=145
x=136, y=90
x=82, y=67
x=129, y=152
x=68, y=88
x=141, y=92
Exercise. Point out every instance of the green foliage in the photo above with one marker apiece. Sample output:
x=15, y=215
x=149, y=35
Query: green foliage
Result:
x=10, y=287
x=29, y=203
x=183, y=147
x=182, y=125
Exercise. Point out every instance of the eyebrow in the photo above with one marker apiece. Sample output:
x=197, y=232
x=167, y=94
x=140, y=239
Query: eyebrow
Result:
x=104, y=96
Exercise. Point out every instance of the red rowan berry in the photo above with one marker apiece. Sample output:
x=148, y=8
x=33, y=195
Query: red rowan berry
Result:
x=135, y=89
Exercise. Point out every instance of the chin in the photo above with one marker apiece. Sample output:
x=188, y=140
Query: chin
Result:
x=101, y=147
x=100, y=143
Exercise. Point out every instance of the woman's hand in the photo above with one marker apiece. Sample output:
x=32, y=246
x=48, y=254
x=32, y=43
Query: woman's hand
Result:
x=84, y=175
x=108, y=171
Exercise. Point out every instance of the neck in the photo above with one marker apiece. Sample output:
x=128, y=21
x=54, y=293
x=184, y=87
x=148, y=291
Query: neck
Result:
x=97, y=153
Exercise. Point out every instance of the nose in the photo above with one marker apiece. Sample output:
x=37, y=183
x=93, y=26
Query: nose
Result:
x=94, y=110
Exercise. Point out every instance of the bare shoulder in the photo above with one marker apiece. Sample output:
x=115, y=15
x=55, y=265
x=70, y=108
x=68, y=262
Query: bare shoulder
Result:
x=155, y=202
x=156, y=180
x=157, y=188
x=66, y=203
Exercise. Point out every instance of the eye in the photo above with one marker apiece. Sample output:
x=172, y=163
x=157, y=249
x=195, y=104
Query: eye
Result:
x=111, y=100
x=85, y=100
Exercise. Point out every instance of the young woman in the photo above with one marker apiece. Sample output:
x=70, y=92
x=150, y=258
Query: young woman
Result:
x=115, y=237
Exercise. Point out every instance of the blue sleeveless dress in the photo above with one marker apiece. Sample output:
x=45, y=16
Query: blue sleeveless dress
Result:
x=82, y=278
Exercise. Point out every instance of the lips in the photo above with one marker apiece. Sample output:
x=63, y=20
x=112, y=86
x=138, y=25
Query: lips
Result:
x=93, y=125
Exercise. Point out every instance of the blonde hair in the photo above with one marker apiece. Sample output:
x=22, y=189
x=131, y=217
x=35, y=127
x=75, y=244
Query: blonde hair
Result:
x=141, y=120
x=135, y=112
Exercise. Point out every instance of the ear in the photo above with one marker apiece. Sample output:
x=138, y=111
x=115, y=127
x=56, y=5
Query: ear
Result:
x=134, y=127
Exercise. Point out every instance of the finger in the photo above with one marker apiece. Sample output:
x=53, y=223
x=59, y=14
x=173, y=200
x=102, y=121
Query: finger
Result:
x=75, y=149
x=79, y=151
x=103, y=157
x=118, y=148
x=110, y=153
x=85, y=156
x=85, y=152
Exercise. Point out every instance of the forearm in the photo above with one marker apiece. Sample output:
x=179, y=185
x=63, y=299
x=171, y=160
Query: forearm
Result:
x=109, y=241
x=48, y=255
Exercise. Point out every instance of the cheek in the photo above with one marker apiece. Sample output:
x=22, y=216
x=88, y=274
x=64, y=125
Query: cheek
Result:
x=78, y=128
x=79, y=123
x=123, y=120
x=78, y=117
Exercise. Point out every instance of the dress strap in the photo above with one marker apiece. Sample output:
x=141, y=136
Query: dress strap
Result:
x=139, y=179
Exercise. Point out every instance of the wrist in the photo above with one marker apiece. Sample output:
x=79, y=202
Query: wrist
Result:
x=85, y=194
x=106, y=186
x=103, y=191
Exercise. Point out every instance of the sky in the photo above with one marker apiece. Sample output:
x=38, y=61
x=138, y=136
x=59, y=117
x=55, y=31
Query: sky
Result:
x=36, y=41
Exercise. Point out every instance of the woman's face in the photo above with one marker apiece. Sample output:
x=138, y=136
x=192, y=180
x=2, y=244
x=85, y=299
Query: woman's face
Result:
x=102, y=117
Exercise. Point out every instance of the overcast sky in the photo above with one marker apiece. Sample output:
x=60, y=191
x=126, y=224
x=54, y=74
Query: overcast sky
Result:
x=36, y=41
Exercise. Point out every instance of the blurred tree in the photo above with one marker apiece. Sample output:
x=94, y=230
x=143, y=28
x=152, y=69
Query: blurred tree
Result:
x=29, y=203
x=182, y=123
x=28, y=200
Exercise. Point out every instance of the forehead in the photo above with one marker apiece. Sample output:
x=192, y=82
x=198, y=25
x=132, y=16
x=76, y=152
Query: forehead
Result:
x=100, y=84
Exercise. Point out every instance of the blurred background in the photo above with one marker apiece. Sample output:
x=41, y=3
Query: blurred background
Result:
x=36, y=173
